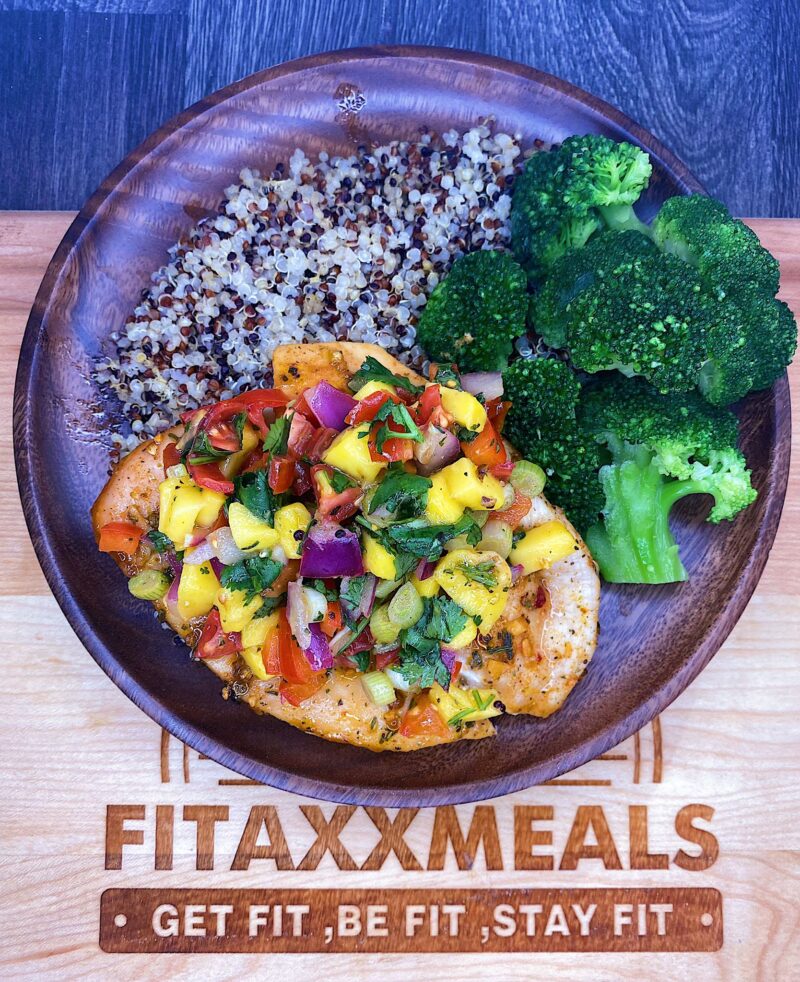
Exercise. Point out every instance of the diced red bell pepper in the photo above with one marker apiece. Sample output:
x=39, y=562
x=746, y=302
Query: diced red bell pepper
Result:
x=282, y=654
x=211, y=477
x=214, y=642
x=121, y=537
x=367, y=408
x=296, y=694
x=281, y=473
x=430, y=400
x=497, y=410
x=487, y=449
x=423, y=719
x=332, y=622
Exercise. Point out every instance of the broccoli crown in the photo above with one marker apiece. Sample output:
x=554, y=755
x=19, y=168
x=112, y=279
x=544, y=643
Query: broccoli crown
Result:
x=659, y=449
x=641, y=314
x=726, y=252
x=475, y=314
x=753, y=340
x=542, y=424
x=574, y=272
x=565, y=195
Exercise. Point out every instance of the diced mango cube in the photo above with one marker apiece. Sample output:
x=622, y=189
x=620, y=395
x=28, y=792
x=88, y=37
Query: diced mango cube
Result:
x=183, y=505
x=425, y=588
x=197, y=590
x=368, y=388
x=442, y=508
x=542, y=546
x=377, y=559
x=234, y=612
x=465, y=636
x=255, y=662
x=256, y=631
x=249, y=531
x=350, y=453
x=471, y=592
x=464, y=408
x=471, y=489
x=464, y=705
x=288, y=521
x=211, y=507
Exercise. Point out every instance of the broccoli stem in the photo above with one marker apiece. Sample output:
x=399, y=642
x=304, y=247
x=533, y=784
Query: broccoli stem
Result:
x=621, y=218
x=634, y=544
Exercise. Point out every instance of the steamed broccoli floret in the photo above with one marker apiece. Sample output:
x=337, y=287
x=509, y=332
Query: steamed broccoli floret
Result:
x=618, y=305
x=725, y=251
x=567, y=194
x=476, y=313
x=660, y=448
x=574, y=272
x=542, y=424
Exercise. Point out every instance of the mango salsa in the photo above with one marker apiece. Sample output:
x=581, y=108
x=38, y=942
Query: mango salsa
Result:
x=289, y=520
x=254, y=660
x=350, y=453
x=197, y=590
x=464, y=408
x=471, y=489
x=442, y=508
x=542, y=546
x=234, y=613
x=478, y=582
x=183, y=505
x=377, y=559
x=249, y=531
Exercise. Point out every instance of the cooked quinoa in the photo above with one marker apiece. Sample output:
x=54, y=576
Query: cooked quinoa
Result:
x=341, y=248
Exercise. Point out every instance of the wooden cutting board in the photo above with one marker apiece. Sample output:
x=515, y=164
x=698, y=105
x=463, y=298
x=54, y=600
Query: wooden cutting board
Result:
x=675, y=855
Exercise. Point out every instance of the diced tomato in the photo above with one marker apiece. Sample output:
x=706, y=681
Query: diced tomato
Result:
x=323, y=438
x=214, y=642
x=220, y=522
x=367, y=408
x=364, y=642
x=430, y=400
x=296, y=694
x=423, y=719
x=302, y=407
x=223, y=436
x=252, y=403
x=516, y=511
x=503, y=471
x=332, y=622
x=394, y=449
x=302, y=479
x=487, y=449
x=383, y=659
x=211, y=477
x=257, y=460
x=497, y=410
x=331, y=504
x=281, y=474
x=301, y=434
x=170, y=456
x=282, y=654
x=121, y=537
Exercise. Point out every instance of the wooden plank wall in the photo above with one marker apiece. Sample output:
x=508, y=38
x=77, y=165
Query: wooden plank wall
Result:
x=84, y=81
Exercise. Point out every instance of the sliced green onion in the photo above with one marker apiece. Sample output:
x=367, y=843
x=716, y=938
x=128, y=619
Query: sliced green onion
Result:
x=405, y=607
x=479, y=517
x=527, y=478
x=177, y=470
x=378, y=687
x=150, y=584
x=385, y=588
x=459, y=542
x=497, y=537
x=383, y=630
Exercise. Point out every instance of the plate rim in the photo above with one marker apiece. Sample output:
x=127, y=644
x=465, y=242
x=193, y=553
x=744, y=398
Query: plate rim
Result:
x=276, y=777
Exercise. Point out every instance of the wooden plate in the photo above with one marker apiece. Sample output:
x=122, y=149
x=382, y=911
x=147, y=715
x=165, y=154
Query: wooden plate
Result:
x=653, y=640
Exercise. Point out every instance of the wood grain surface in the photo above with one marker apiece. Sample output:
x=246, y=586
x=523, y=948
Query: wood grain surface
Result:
x=86, y=80
x=96, y=798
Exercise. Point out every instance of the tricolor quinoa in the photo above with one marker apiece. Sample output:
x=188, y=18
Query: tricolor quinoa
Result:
x=340, y=248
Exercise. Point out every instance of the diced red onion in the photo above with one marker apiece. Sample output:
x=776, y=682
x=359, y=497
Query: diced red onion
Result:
x=217, y=566
x=487, y=384
x=201, y=554
x=225, y=549
x=516, y=571
x=449, y=658
x=329, y=404
x=364, y=609
x=175, y=564
x=438, y=449
x=330, y=550
x=318, y=652
x=425, y=569
x=340, y=639
x=297, y=613
x=171, y=598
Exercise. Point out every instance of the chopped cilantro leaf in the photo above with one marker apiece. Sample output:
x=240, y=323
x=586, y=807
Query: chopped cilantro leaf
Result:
x=252, y=575
x=361, y=659
x=202, y=452
x=351, y=595
x=329, y=594
x=277, y=439
x=404, y=495
x=464, y=435
x=421, y=645
x=159, y=541
x=340, y=482
x=447, y=375
x=238, y=424
x=483, y=572
x=400, y=416
x=373, y=371
x=270, y=605
x=254, y=492
x=517, y=536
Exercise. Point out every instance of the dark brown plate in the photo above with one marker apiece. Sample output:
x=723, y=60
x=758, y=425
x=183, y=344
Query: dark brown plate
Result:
x=653, y=641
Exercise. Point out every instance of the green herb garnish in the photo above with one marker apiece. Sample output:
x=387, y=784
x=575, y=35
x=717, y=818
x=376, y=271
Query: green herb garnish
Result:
x=202, y=452
x=397, y=413
x=447, y=375
x=340, y=482
x=480, y=705
x=404, y=495
x=254, y=492
x=352, y=594
x=277, y=439
x=159, y=541
x=252, y=575
x=270, y=605
x=373, y=371
x=421, y=645
x=483, y=572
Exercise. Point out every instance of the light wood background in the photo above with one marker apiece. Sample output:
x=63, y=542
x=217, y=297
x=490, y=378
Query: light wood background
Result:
x=72, y=745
